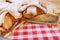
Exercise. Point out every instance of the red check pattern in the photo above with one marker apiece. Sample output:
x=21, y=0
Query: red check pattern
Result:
x=36, y=32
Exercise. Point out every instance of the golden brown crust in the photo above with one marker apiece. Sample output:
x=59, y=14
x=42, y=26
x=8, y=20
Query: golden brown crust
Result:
x=43, y=19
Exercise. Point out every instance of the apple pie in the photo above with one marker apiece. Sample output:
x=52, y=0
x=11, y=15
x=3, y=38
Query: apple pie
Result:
x=14, y=13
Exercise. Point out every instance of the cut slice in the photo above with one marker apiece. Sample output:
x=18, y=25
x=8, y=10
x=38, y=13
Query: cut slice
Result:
x=10, y=24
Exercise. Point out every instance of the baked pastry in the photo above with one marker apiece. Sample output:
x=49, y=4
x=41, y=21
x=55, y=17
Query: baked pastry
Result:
x=44, y=12
x=10, y=18
x=14, y=13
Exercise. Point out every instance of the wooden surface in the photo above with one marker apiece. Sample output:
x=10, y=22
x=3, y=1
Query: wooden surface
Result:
x=55, y=1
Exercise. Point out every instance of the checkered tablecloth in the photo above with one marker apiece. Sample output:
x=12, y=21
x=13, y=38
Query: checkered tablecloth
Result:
x=35, y=32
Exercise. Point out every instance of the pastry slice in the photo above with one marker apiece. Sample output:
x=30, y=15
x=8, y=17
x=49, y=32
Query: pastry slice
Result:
x=46, y=13
x=10, y=24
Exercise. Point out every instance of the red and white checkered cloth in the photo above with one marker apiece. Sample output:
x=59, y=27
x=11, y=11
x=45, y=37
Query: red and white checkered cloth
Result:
x=35, y=32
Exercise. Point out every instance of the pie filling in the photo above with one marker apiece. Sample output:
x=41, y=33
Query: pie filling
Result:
x=9, y=24
x=30, y=13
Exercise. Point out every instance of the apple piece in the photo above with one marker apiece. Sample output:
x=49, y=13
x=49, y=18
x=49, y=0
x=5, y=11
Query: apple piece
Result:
x=2, y=29
x=30, y=12
x=8, y=21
